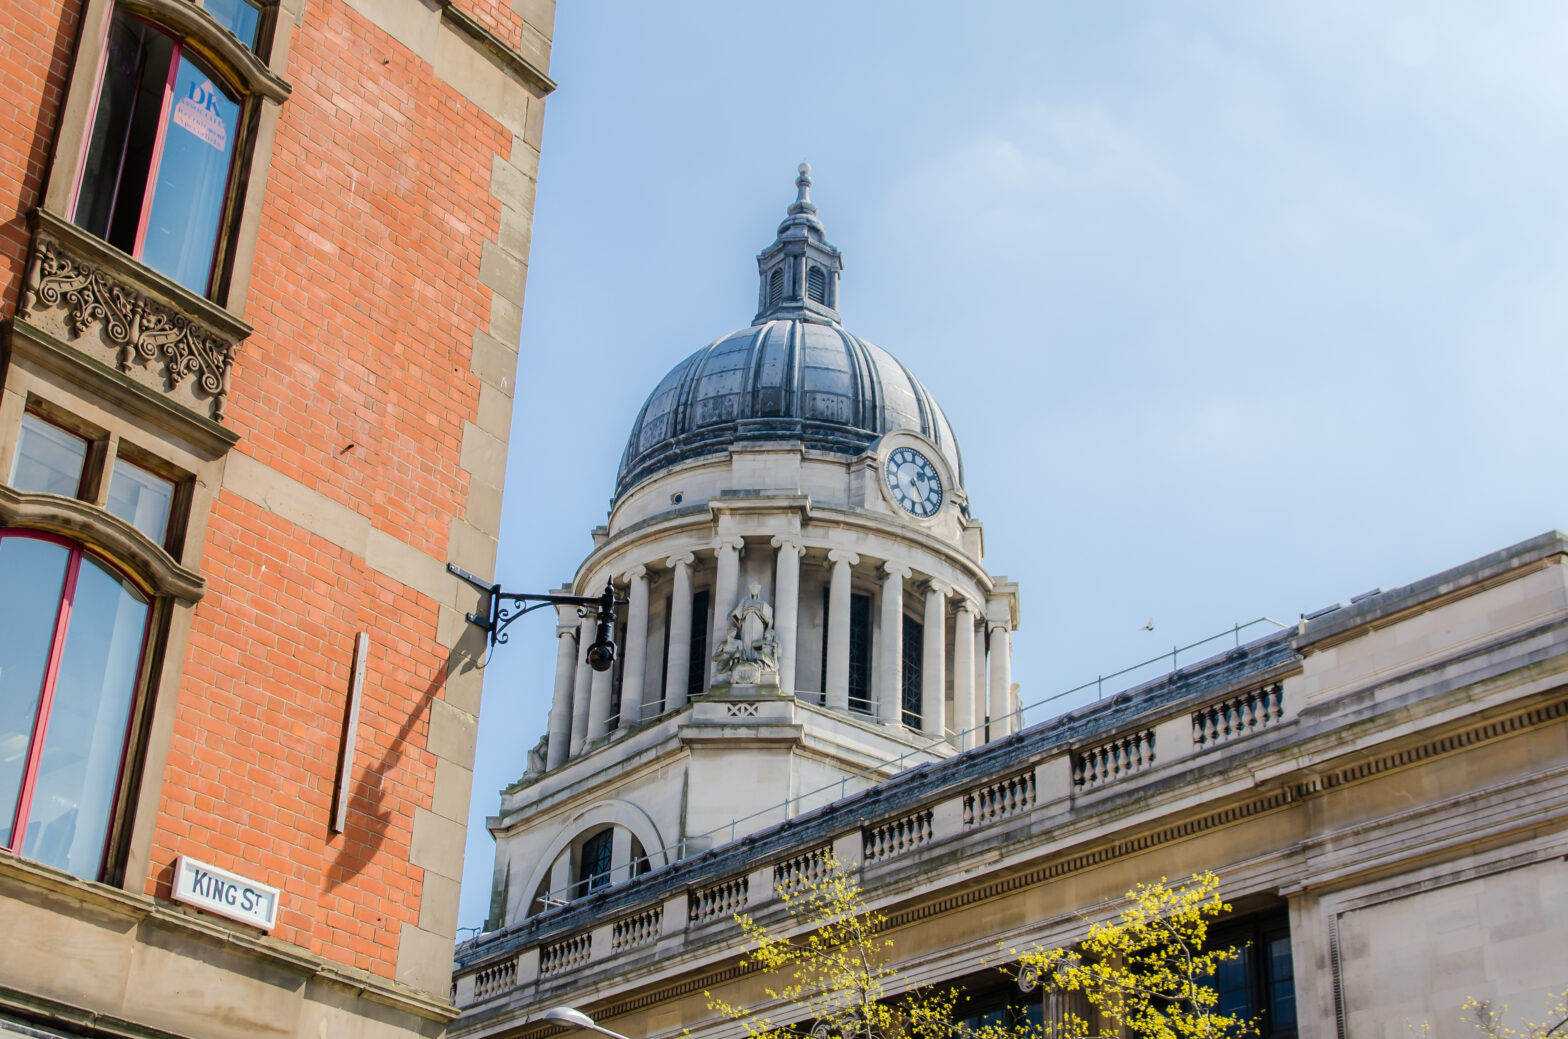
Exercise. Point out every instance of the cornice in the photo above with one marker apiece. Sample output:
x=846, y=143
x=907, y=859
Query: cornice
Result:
x=699, y=520
x=498, y=49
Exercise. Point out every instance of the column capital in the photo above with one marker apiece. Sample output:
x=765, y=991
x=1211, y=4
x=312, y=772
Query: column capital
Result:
x=967, y=605
x=634, y=573
x=563, y=631
x=683, y=559
x=843, y=555
x=782, y=542
x=734, y=541
x=996, y=624
x=936, y=587
x=897, y=570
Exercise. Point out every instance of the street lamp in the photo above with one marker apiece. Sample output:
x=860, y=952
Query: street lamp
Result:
x=503, y=608
x=574, y=1018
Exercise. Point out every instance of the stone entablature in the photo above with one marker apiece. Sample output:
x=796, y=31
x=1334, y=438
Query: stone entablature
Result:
x=120, y=313
x=1274, y=754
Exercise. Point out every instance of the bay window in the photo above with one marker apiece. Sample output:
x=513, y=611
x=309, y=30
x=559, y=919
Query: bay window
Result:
x=72, y=634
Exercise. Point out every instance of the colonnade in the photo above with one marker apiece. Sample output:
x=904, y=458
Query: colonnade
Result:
x=981, y=681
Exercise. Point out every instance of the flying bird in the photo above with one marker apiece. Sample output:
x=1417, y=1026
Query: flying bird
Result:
x=1149, y=626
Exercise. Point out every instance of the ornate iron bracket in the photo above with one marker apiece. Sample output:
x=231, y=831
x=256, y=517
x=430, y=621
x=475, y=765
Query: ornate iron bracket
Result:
x=502, y=608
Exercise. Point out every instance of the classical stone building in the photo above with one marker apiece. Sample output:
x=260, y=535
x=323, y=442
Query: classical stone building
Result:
x=261, y=275
x=806, y=600
x=816, y=660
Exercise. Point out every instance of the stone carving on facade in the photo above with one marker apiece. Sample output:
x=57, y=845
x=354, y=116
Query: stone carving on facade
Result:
x=144, y=330
x=749, y=654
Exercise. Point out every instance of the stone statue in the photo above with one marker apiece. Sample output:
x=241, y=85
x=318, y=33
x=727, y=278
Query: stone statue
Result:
x=750, y=647
x=536, y=757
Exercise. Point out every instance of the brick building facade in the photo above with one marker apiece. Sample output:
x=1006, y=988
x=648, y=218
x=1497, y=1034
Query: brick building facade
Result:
x=261, y=278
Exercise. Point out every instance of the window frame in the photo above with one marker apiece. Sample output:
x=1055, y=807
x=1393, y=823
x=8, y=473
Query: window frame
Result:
x=232, y=190
x=168, y=574
x=1253, y=931
x=254, y=73
x=115, y=828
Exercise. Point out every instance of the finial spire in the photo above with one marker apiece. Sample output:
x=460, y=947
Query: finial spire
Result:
x=803, y=202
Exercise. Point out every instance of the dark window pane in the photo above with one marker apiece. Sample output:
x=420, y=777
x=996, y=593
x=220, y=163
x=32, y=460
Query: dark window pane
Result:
x=860, y=653
x=1282, y=989
x=48, y=459
x=1232, y=983
x=32, y=572
x=193, y=175
x=593, y=870
x=140, y=499
x=84, y=739
x=237, y=16
x=700, y=622
x=914, y=657
x=125, y=130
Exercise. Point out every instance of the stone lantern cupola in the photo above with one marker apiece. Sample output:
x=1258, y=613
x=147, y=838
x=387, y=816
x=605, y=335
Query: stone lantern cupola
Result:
x=799, y=271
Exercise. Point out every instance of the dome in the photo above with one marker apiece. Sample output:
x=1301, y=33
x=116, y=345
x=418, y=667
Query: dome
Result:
x=794, y=375
x=788, y=379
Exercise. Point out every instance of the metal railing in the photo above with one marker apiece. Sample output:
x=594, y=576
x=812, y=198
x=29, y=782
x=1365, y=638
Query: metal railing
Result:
x=879, y=772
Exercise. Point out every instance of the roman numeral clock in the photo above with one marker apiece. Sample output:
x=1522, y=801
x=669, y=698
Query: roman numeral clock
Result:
x=913, y=482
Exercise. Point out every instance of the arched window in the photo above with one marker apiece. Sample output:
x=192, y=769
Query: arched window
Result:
x=817, y=284
x=776, y=287
x=72, y=635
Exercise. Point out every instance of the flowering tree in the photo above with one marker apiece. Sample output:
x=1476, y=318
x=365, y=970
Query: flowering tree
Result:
x=1147, y=970
x=835, y=977
x=1492, y=1020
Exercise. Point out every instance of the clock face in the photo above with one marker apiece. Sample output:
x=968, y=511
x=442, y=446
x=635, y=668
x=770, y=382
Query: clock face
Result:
x=914, y=482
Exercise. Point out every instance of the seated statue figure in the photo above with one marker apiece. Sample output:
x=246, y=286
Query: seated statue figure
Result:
x=749, y=636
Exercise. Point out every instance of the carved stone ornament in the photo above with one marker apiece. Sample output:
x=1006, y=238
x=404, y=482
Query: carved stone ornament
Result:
x=749, y=639
x=141, y=331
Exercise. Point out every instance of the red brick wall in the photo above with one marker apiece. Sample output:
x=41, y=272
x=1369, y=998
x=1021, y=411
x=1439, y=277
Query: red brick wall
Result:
x=356, y=383
x=36, y=42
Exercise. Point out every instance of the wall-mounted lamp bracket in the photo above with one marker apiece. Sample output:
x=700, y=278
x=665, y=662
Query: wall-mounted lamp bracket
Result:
x=503, y=607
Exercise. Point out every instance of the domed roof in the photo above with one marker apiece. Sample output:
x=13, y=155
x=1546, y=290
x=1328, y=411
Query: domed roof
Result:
x=794, y=375
x=787, y=379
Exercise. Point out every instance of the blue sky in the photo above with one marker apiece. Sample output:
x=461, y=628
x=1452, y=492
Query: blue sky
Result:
x=1236, y=309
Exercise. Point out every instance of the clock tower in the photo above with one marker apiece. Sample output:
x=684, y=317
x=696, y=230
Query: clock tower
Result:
x=808, y=607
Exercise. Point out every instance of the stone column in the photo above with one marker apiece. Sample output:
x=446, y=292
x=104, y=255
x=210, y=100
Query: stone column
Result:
x=634, y=663
x=933, y=661
x=561, y=704
x=980, y=679
x=1001, y=679
x=678, y=663
x=837, y=691
x=890, y=675
x=964, y=674
x=581, y=688
x=620, y=850
x=726, y=589
x=786, y=608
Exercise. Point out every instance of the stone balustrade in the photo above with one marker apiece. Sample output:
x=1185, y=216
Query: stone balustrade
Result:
x=897, y=836
x=982, y=794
